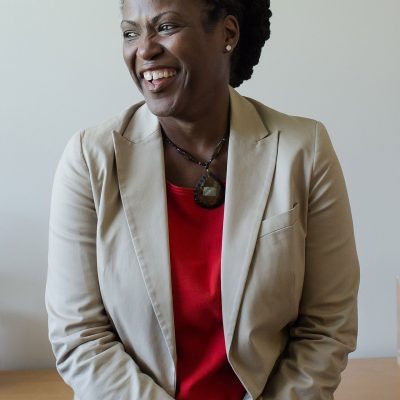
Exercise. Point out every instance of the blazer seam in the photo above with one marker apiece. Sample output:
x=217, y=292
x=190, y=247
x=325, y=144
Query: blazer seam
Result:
x=277, y=230
x=81, y=150
x=84, y=162
x=315, y=150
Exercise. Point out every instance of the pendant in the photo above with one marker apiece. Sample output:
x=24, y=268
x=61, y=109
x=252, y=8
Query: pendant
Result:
x=209, y=191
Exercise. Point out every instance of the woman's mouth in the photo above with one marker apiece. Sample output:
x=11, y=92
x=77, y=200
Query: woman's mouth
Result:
x=156, y=80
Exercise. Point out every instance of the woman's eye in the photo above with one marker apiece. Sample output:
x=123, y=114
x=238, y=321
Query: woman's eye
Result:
x=166, y=27
x=130, y=35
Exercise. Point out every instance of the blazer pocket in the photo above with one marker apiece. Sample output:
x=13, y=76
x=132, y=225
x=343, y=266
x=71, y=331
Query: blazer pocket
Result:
x=279, y=222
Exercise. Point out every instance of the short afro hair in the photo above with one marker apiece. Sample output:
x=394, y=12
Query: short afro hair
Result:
x=254, y=22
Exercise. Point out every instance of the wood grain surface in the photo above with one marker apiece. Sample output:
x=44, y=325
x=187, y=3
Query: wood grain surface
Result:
x=33, y=385
x=370, y=379
x=363, y=379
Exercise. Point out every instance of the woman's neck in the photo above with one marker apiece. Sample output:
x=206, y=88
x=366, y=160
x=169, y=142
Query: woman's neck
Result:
x=201, y=132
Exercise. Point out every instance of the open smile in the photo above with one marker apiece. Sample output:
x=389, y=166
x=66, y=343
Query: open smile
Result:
x=156, y=80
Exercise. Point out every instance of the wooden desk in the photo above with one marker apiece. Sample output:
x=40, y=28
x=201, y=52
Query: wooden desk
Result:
x=33, y=385
x=367, y=379
x=370, y=379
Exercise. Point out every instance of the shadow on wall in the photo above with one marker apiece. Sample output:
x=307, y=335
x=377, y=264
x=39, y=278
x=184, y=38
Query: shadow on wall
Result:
x=24, y=340
x=21, y=335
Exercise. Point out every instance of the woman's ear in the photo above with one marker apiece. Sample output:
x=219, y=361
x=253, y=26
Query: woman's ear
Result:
x=232, y=32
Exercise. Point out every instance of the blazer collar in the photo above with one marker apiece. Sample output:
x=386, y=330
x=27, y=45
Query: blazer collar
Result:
x=141, y=176
x=140, y=169
x=251, y=166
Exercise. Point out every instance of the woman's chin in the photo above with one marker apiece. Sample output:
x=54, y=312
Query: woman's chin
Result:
x=162, y=107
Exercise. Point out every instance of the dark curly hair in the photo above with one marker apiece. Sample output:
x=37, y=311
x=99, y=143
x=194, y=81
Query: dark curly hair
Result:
x=254, y=21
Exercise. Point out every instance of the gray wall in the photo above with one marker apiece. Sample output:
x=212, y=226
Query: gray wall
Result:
x=62, y=70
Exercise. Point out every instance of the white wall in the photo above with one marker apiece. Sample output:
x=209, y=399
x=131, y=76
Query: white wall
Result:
x=61, y=70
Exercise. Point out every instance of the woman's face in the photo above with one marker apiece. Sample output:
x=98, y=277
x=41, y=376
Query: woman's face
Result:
x=178, y=66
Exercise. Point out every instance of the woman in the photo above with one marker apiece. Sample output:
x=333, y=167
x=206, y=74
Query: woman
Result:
x=201, y=244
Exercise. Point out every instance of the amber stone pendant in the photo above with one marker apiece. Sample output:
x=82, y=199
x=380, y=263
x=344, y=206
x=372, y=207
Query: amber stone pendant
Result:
x=209, y=191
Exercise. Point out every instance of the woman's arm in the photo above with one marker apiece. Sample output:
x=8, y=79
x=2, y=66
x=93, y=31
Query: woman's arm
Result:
x=326, y=328
x=89, y=355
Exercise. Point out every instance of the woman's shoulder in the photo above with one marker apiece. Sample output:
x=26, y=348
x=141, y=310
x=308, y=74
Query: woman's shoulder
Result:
x=296, y=131
x=101, y=135
x=97, y=142
x=303, y=128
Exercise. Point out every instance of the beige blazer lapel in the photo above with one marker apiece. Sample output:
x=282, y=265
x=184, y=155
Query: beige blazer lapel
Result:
x=251, y=165
x=141, y=178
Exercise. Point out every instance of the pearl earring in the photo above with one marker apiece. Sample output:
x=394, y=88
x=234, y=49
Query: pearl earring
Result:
x=228, y=47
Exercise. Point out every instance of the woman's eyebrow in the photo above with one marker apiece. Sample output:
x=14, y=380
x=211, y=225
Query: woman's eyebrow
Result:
x=154, y=20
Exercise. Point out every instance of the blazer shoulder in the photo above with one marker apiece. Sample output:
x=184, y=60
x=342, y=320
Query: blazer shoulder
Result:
x=93, y=147
x=100, y=137
x=290, y=127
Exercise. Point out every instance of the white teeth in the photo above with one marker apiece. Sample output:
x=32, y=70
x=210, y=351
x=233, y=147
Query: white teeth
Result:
x=148, y=76
x=154, y=75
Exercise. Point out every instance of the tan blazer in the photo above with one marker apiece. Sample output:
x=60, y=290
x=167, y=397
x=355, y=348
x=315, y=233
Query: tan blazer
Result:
x=289, y=264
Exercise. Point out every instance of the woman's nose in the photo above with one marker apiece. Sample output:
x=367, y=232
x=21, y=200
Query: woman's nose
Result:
x=148, y=48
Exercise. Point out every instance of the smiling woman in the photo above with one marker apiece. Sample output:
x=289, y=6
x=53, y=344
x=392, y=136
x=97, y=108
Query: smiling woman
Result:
x=201, y=243
x=170, y=36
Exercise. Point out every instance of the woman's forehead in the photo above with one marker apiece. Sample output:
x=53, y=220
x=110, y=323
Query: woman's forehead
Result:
x=141, y=12
x=147, y=7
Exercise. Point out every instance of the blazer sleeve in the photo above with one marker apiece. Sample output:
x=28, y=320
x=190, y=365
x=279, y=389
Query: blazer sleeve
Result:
x=89, y=356
x=326, y=328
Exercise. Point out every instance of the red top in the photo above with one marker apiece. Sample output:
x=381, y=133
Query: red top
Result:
x=195, y=235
